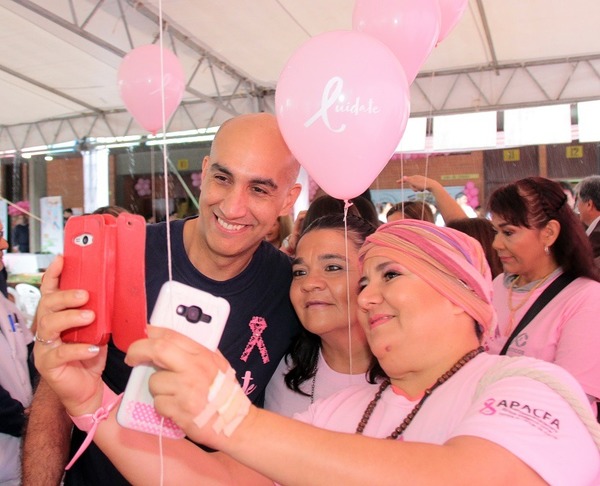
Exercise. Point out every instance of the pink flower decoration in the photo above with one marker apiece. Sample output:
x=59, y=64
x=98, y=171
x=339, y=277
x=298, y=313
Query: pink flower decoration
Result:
x=196, y=179
x=472, y=194
x=142, y=187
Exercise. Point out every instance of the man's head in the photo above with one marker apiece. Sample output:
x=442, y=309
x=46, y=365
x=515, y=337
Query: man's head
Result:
x=248, y=180
x=67, y=213
x=588, y=199
x=461, y=198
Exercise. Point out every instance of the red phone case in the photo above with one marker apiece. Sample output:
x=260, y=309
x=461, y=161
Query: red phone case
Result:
x=110, y=265
x=89, y=258
x=129, y=310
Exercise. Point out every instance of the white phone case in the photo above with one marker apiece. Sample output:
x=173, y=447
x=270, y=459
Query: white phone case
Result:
x=197, y=314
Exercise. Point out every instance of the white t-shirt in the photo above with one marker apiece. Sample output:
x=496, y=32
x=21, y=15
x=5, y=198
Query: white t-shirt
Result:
x=520, y=414
x=280, y=399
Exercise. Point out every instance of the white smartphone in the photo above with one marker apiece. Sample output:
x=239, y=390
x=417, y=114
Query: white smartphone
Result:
x=197, y=314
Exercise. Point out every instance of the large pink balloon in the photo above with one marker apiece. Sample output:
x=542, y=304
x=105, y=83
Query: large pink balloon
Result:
x=140, y=85
x=452, y=11
x=342, y=104
x=410, y=28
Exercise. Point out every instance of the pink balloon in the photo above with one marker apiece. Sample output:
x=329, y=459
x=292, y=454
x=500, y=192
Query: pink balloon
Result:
x=140, y=85
x=452, y=11
x=342, y=104
x=410, y=28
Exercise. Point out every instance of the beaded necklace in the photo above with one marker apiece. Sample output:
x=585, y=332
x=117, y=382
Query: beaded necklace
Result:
x=312, y=388
x=513, y=309
x=409, y=418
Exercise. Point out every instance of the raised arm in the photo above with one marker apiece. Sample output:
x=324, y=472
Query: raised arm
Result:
x=46, y=439
x=447, y=206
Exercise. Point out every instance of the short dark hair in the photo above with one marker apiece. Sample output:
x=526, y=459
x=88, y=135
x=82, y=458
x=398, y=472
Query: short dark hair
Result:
x=326, y=204
x=566, y=185
x=412, y=210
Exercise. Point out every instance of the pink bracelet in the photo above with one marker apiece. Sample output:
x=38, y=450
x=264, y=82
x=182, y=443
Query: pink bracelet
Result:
x=90, y=421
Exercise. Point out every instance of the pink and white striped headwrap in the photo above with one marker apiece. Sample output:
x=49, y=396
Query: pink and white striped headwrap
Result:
x=451, y=262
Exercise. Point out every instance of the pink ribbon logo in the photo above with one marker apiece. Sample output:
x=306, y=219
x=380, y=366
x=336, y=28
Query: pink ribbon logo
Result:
x=488, y=407
x=257, y=325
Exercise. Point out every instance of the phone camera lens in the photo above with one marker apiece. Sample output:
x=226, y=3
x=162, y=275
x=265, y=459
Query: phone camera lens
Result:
x=181, y=310
x=194, y=314
x=85, y=240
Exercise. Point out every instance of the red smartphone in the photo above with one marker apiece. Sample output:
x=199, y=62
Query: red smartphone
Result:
x=89, y=262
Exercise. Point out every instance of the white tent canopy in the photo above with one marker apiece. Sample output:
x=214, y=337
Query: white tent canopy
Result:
x=59, y=59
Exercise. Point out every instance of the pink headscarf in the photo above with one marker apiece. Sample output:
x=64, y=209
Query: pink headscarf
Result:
x=451, y=262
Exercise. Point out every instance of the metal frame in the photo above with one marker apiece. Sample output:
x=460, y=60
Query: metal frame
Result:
x=488, y=87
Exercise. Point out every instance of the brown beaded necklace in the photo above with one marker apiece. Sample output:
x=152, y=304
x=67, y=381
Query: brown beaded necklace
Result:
x=409, y=418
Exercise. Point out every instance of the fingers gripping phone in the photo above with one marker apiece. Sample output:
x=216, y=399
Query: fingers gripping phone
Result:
x=197, y=314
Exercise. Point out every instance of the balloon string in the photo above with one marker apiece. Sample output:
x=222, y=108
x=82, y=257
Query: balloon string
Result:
x=347, y=204
x=402, y=182
x=427, y=151
x=164, y=137
x=153, y=183
x=166, y=186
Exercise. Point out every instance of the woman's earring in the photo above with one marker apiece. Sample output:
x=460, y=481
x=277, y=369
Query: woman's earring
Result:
x=546, y=250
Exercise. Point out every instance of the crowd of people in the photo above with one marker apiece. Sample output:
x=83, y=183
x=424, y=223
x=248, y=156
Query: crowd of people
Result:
x=472, y=346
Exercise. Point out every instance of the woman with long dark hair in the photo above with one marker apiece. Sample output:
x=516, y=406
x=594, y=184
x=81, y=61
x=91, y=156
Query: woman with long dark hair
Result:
x=331, y=352
x=538, y=239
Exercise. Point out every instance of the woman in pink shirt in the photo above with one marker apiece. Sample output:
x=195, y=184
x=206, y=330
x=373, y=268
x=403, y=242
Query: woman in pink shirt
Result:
x=538, y=238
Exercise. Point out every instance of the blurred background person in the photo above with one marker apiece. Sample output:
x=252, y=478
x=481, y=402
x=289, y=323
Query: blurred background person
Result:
x=112, y=210
x=483, y=231
x=462, y=200
x=16, y=377
x=410, y=210
x=280, y=230
x=538, y=238
x=67, y=213
x=588, y=207
x=569, y=192
x=20, y=235
x=448, y=208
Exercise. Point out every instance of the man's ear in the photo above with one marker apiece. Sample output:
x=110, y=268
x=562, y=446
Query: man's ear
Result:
x=290, y=199
x=589, y=205
x=205, y=162
x=551, y=232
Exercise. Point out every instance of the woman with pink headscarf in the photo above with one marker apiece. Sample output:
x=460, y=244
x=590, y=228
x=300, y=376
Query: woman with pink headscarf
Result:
x=452, y=413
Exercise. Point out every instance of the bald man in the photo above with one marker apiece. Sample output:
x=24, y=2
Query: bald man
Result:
x=248, y=180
